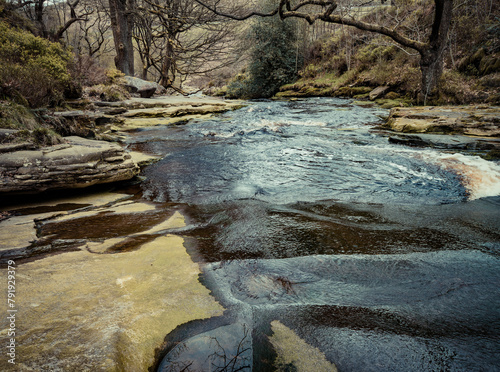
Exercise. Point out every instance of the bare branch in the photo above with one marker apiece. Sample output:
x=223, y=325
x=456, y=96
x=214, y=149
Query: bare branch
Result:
x=286, y=10
x=64, y=28
x=396, y=36
x=18, y=5
x=237, y=18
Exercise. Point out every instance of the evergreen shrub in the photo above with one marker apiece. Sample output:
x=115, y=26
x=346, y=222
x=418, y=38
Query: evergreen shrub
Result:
x=32, y=70
x=274, y=59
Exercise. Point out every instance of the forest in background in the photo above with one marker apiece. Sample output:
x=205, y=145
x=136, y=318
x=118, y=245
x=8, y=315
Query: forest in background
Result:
x=54, y=50
x=351, y=62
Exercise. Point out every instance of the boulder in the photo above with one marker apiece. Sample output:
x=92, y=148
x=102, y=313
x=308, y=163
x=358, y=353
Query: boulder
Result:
x=78, y=163
x=144, y=88
x=378, y=92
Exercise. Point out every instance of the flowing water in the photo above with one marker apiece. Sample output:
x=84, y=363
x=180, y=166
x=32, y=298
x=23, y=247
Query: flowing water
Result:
x=305, y=217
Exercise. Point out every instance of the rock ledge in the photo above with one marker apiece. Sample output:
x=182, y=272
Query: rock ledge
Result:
x=75, y=164
x=480, y=121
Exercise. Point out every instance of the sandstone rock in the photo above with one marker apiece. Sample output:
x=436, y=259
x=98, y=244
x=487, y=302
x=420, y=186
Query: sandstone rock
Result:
x=114, y=110
x=9, y=147
x=174, y=101
x=81, y=163
x=378, y=92
x=132, y=124
x=143, y=159
x=99, y=118
x=78, y=163
x=18, y=231
x=117, y=308
x=293, y=351
x=467, y=120
x=449, y=142
x=174, y=111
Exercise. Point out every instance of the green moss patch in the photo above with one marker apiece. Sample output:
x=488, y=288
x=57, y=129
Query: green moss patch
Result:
x=29, y=128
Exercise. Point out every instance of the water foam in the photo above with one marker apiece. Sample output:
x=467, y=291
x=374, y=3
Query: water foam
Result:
x=480, y=177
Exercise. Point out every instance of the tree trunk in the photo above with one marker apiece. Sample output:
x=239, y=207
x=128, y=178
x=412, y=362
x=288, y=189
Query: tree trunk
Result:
x=39, y=11
x=431, y=66
x=145, y=69
x=167, y=67
x=431, y=61
x=121, y=24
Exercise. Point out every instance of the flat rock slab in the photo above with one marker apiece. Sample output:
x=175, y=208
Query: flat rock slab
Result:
x=175, y=111
x=78, y=163
x=135, y=123
x=378, y=92
x=117, y=308
x=105, y=312
x=142, y=159
x=293, y=351
x=102, y=117
x=173, y=101
x=468, y=120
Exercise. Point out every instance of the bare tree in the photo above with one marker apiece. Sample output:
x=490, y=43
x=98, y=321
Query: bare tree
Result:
x=431, y=49
x=144, y=34
x=91, y=39
x=52, y=18
x=178, y=38
x=94, y=31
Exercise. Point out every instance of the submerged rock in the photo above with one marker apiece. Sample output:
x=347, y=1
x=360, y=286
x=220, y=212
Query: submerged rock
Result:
x=294, y=354
x=18, y=229
x=105, y=312
x=78, y=163
x=89, y=309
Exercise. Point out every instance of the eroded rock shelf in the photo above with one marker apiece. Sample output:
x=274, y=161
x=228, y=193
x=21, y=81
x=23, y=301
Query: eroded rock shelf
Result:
x=82, y=162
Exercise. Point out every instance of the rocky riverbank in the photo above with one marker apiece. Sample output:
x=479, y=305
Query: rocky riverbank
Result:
x=480, y=121
x=115, y=247
x=77, y=162
x=474, y=128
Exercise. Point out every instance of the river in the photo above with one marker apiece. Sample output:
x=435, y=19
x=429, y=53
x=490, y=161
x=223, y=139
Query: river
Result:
x=309, y=225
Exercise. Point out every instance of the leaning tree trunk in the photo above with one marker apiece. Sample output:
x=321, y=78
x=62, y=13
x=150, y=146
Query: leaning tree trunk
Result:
x=121, y=23
x=431, y=61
